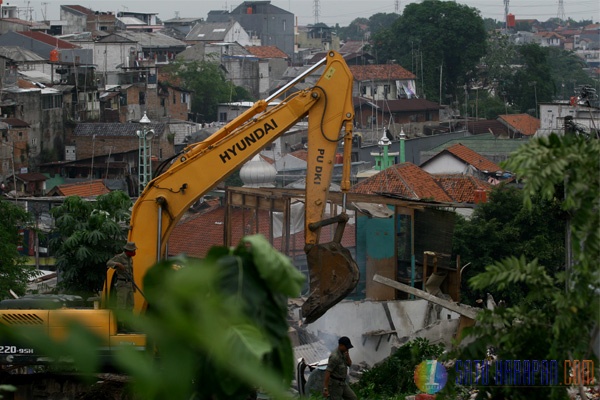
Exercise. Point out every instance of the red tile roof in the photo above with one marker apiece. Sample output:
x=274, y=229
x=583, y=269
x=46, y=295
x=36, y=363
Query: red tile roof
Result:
x=31, y=177
x=380, y=72
x=48, y=39
x=352, y=46
x=15, y=122
x=301, y=154
x=197, y=234
x=19, y=21
x=472, y=158
x=461, y=188
x=267, y=52
x=523, y=123
x=81, y=189
x=405, y=180
x=81, y=9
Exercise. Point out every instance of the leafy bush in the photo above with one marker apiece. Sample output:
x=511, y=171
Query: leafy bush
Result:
x=394, y=376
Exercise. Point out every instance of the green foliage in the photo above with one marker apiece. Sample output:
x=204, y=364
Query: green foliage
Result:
x=532, y=83
x=15, y=274
x=219, y=328
x=568, y=70
x=497, y=65
x=485, y=105
x=435, y=34
x=395, y=375
x=559, y=313
x=86, y=235
x=354, y=31
x=505, y=227
x=207, y=81
x=381, y=21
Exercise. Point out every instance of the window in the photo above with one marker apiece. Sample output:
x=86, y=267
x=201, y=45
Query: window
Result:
x=363, y=90
x=222, y=117
x=162, y=102
x=142, y=98
x=50, y=101
x=184, y=98
x=174, y=97
x=20, y=134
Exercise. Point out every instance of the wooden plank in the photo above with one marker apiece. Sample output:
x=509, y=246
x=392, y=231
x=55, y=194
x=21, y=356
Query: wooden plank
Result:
x=457, y=308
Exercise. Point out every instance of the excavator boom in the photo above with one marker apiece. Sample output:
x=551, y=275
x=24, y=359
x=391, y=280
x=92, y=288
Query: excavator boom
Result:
x=328, y=105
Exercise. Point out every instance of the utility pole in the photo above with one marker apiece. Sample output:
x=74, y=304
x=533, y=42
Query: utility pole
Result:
x=506, y=15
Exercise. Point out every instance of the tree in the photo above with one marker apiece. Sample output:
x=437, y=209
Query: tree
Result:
x=207, y=80
x=86, y=235
x=435, y=38
x=564, y=323
x=355, y=31
x=568, y=71
x=497, y=63
x=15, y=274
x=532, y=83
x=505, y=226
x=381, y=21
x=488, y=106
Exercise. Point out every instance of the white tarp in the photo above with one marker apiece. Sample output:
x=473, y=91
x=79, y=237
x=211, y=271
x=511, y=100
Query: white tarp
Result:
x=407, y=87
x=297, y=218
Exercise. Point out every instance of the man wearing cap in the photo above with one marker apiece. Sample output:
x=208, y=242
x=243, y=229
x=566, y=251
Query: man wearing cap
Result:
x=123, y=265
x=335, y=386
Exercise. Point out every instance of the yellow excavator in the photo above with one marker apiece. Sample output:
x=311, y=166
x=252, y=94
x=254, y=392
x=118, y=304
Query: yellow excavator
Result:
x=198, y=169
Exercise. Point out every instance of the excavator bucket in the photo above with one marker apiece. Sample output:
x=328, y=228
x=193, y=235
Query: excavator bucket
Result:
x=333, y=275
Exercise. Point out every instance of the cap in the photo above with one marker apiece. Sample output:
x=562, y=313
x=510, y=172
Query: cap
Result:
x=345, y=340
x=130, y=246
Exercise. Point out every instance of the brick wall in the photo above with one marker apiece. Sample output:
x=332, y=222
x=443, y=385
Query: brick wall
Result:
x=85, y=146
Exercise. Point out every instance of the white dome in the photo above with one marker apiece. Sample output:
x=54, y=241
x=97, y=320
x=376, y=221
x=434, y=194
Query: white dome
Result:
x=258, y=173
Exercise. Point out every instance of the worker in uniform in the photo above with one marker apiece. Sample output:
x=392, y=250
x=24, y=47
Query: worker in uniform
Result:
x=335, y=386
x=122, y=263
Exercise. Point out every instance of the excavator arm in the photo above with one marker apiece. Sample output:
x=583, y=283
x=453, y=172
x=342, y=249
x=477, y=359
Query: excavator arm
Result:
x=200, y=167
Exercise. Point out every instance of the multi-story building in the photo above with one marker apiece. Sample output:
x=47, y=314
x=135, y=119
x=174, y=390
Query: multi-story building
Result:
x=272, y=25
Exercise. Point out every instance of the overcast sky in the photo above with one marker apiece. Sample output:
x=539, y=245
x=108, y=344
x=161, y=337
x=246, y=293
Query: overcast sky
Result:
x=330, y=11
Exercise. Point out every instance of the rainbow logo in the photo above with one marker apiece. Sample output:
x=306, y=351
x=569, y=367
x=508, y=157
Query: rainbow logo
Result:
x=430, y=376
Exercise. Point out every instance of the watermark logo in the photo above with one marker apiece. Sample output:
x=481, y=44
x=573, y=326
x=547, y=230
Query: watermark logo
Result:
x=430, y=376
x=523, y=372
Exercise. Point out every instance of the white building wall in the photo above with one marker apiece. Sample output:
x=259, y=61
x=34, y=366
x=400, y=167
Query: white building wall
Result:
x=238, y=34
x=445, y=164
x=264, y=78
x=552, y=117
x=75, y=23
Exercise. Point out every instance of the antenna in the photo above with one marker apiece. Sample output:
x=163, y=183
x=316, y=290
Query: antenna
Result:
x=316, y=10
x=44, y=12
x=561, y=10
